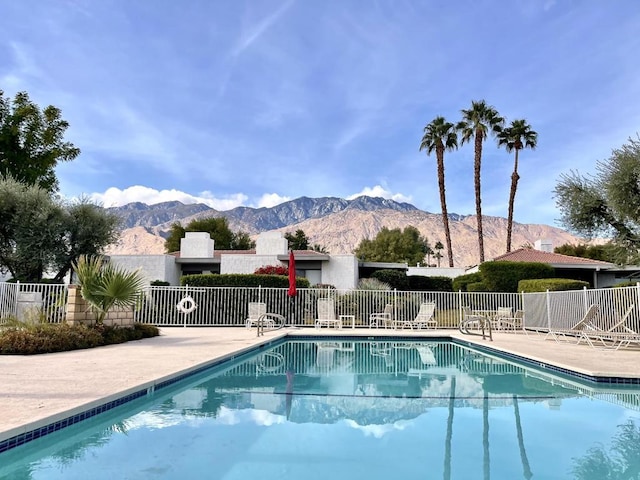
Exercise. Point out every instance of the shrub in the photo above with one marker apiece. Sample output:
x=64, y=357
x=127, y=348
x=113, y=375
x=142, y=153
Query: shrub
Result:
x=429, y=284
x=49, y=338
x=394, y=278
x=477, y=287
x=160, y=283
x=503, y=276
x=460, y=283
x=272, y=270
x=240, y=280
x=372, y=284
x=551, y=284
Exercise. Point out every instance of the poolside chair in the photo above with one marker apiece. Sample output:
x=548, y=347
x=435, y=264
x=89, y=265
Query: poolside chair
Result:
x=424, y=318
x=502, y=312
x=512, y=323
x=327, y=314
x=616, y=336
x=471, y=320
x=256, y=309
x=384, y=318
x=575, y=332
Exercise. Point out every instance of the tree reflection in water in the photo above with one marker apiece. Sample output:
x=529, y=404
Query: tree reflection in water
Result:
x=621, y=461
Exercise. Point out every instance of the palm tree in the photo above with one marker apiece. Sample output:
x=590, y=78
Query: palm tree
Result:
x=439, y=247
x=105, y=285
x=516, y=136
x=440, y=135
x=478, y=122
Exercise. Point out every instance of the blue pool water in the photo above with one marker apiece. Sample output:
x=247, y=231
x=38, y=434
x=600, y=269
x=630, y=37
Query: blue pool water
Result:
x=353, y=409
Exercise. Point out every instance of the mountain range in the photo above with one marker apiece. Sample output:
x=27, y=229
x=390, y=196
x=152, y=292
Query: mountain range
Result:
x=335, y=223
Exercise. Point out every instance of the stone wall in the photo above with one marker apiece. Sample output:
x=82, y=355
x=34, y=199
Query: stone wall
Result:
x=79, y=312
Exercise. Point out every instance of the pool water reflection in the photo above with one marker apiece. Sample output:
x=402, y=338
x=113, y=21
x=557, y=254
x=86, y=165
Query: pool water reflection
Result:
x=342, y=409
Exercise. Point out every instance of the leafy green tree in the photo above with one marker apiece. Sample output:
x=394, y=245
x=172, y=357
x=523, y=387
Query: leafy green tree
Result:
x=594, y=252
x=88, y=229
x=393, y=246
x=439, y=136
x=217, y=227
x=515, y=137
x=606, y=204
x=478, y=122
x=298, y=240
x=32, y=141
x=39, y=233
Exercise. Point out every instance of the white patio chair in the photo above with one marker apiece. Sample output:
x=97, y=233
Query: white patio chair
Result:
x=256, y=309
x=618, y=335
x=327, y=314
x=575, y=332
x=512, y=323
x=502, y=312
x=424, y=318
x=384, y=318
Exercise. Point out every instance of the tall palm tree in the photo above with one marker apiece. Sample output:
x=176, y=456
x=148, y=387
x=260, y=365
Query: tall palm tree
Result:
x=440, y=135
x=478, y=122
x=515, y=137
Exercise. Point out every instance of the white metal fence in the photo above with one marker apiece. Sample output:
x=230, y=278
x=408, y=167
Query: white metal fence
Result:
x=33, y=302
x=228, y=306
x=564, y=309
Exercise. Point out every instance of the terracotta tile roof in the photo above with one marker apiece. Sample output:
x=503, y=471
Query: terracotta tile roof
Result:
x=532, y=255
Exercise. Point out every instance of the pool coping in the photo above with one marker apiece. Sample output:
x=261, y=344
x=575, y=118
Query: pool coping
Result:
x=47, y=424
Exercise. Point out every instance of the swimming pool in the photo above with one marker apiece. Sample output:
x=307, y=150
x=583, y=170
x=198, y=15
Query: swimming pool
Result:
x=343, y=409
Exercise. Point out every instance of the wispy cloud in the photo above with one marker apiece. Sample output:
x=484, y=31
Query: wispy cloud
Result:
x=380, y=191
x=252, y=32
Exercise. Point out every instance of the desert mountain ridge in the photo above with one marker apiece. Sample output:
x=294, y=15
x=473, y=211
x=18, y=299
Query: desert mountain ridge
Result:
x=337, y=224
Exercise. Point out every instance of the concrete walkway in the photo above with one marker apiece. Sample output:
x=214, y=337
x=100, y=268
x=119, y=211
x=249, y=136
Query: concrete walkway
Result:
x=41, y=389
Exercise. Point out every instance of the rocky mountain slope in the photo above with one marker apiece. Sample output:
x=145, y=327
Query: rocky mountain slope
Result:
x=337, y=224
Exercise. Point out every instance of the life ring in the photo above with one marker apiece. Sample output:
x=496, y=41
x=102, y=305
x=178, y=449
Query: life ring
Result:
x=186, y=305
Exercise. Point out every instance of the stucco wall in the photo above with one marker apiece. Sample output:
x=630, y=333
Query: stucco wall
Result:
x=436, y=272
x=231, y=263
x=196, y=245
x=341, y=271
x=153, y=267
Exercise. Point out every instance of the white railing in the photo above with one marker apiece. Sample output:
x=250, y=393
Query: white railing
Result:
x=228, y=306
x=33, y=302
x=562, y=310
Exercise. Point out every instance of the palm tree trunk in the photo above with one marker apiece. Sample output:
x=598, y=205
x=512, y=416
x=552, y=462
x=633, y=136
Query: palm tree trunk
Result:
x=526, y=469
x=476, y=176
x=512, y=198
x=486, y=463
x=447, y=445
x=443, y=203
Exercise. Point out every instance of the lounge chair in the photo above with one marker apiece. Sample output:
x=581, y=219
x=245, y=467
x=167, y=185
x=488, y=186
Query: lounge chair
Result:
x=618, y=335
x=327, y=314
x=384, y=318
x=424, y=318
x=575, y=332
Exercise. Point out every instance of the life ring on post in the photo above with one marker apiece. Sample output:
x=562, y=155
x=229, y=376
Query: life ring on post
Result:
x=186, y=305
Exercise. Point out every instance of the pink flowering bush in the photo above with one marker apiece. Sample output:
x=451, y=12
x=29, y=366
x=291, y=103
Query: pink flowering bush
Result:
x=272, y=270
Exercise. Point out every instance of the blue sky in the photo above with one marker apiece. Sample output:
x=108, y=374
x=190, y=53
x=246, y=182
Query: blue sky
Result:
x=255, y=102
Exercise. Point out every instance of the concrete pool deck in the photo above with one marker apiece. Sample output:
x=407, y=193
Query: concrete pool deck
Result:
x=38, y=390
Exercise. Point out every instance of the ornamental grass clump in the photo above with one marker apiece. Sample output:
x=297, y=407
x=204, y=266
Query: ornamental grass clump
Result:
x=105, y=285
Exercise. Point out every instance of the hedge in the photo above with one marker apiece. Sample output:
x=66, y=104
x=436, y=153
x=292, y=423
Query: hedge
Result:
x=393, y=278
x=551, y=284
x=429, y=284
x=504, y=276
x=460, y=283
x=240, y=280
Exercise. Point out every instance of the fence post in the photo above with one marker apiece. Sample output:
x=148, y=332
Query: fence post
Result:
x=548, y=310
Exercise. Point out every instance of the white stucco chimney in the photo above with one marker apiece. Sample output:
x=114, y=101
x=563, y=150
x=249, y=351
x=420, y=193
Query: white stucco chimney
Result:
x=196, y=245
x=271, y=243
x=544, y=245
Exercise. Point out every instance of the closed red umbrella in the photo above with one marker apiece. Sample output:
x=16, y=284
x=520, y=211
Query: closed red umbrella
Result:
x=292, y=275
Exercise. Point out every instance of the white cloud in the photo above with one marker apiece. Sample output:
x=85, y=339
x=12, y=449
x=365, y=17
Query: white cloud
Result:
x=271, y=200
x=115, y=197
x=380, y=191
